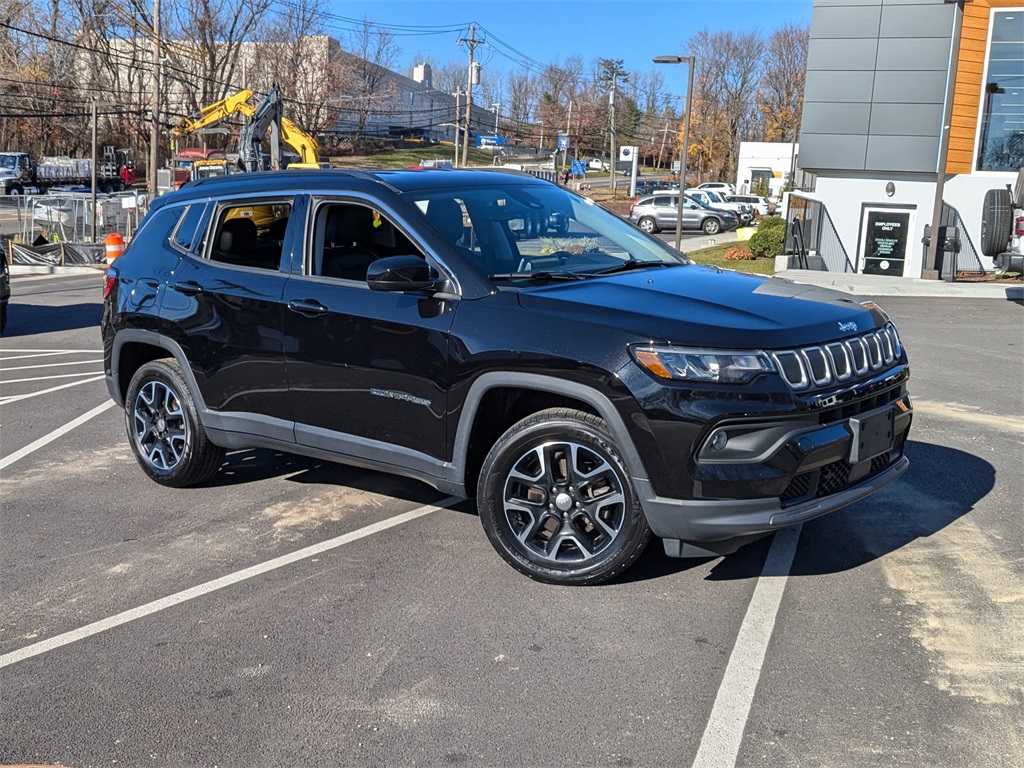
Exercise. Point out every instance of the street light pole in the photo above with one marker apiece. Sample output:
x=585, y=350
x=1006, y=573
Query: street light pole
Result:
x=154, y=130
x=496, y=107
x=691, y=61
x=92, y=179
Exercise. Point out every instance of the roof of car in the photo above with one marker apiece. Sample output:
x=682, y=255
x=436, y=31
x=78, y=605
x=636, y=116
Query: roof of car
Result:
x=400, y=180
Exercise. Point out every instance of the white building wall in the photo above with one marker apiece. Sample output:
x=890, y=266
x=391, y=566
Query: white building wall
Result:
x=844, y=198
x=777, y=156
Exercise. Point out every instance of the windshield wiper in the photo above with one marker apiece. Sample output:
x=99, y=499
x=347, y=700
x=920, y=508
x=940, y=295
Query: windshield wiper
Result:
x=539, y=275
x=626, y=266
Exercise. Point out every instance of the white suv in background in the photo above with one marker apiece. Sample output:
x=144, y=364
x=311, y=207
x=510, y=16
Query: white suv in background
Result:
x=718, y=186
x=762, y=205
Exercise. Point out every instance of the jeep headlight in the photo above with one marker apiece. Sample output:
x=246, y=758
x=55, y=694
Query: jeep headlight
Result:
x=717, y=366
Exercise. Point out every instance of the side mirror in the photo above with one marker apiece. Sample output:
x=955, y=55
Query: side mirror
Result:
x=402, y=273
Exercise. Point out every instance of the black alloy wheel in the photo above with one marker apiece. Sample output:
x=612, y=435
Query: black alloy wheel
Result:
x=556, y=501
x=164, y=429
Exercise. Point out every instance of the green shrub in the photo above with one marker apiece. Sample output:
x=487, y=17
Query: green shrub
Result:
x=768, y=242
x=770, y=222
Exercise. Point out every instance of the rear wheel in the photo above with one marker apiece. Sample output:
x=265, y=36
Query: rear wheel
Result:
x=164, y=430
x=557, y=503
x=996, y=221
x=711, y=226
x=648, y=225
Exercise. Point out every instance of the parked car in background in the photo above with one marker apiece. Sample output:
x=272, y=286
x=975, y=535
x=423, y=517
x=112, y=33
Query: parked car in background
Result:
x=762, y=205
x=598, y=165
x=716, y=199
x=718, y=186
x=657, y=211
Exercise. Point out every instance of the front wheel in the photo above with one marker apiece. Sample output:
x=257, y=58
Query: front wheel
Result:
x=164, y=430
x=556, y=500
x=711, y=226
x=648, y=225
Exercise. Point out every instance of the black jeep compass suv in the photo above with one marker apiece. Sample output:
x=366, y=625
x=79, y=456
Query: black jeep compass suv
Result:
x=496, y=335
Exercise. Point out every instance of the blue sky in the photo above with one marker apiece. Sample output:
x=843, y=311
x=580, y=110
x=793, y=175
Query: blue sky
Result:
x=631, y=30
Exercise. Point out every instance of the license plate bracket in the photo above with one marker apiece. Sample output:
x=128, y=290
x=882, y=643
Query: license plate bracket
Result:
x=872, y=435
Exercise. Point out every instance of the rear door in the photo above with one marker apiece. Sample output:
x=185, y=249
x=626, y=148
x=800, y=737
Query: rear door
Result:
x=367, y=370
x=224, y=303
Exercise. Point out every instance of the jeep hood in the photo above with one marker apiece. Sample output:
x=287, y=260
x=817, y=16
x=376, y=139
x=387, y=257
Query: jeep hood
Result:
x=704, y=306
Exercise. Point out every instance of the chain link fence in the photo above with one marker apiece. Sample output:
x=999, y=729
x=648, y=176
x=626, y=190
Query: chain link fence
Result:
x=66, y=218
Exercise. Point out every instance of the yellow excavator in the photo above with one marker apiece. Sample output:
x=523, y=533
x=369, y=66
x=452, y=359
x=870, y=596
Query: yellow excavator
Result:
x=264, y=118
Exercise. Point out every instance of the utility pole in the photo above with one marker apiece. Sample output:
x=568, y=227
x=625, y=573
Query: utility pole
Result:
x=568, y=124
x=664, y=137
x=154, y=130
x=472, y=42
x=611, y=108
x=458, y=104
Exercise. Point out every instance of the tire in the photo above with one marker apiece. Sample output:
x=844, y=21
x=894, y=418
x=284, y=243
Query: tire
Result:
x=648, y=225
x=164, y=430
x=996, y=222
x=14, y=190
x=557, y=503
x=711, y=226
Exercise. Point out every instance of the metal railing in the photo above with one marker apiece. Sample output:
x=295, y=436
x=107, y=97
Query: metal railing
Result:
x=964, y=259
x=810, y=232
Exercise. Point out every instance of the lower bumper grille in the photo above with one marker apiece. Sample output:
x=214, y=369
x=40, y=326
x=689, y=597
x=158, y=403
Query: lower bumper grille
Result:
x=835, y=477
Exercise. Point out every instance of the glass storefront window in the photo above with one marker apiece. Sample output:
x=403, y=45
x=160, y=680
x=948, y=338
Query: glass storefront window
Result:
x=1001, y=147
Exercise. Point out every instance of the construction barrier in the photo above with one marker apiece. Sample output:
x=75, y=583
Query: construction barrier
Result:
x=114, y=245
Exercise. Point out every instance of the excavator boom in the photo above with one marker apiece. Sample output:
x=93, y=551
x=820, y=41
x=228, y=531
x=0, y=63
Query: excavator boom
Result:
x=214, y=113
x=267, y=117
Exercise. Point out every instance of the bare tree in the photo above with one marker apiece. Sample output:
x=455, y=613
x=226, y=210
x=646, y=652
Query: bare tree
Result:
x=727, y=69
x=295, y=52
x=365, y=77
x=204, y=45
x=780, y=97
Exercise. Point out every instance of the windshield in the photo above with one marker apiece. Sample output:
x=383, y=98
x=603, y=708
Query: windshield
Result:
x=514, y=232
x=10, y=162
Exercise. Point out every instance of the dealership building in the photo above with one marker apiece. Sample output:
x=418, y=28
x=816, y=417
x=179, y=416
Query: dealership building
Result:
x=913, y=110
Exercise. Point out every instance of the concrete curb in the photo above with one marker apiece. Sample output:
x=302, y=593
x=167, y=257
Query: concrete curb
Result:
x=45, y=269
x=879, y=285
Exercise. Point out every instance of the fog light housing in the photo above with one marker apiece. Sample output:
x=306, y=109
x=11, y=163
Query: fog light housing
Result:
x=719, y=440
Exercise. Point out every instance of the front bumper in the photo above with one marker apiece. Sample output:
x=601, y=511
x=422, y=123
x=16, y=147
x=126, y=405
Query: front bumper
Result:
x=803, y=472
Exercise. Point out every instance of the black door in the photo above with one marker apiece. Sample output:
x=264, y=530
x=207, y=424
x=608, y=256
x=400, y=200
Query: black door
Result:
x=367, y=370
x=226, y=305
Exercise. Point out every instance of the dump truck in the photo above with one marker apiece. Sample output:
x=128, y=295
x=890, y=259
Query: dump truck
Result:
x=22, y=174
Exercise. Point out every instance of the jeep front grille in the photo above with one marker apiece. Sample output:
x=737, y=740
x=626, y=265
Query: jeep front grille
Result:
x=839, y=361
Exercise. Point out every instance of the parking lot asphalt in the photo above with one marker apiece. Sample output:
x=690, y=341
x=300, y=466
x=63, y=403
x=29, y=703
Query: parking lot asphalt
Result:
x=292, y=611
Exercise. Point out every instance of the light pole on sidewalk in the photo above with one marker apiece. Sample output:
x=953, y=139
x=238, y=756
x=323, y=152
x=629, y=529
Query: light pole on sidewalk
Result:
x=691, y=60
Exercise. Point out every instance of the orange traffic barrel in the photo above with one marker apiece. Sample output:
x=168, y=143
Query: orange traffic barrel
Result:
x=115, y=247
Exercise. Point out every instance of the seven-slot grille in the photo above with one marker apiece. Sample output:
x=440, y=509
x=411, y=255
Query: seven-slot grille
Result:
x=839, y=361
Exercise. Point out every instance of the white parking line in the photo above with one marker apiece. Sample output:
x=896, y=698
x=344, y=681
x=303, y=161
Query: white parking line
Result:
x=40, y=353
x=231, y=579
x=49, y=438
x=720, y=744
x=52, y=377
x=16, y=398
x=48, y=365
x=62, y=351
